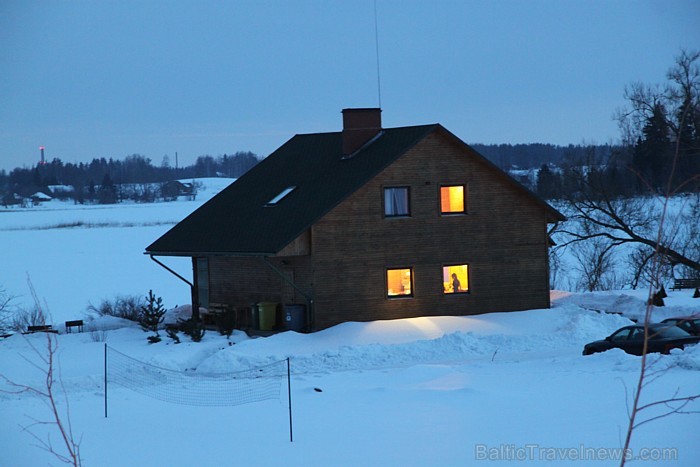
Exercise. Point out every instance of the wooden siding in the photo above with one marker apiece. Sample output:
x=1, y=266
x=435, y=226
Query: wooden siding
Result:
x=502, y=238
x=241, y=281
x=299, y=246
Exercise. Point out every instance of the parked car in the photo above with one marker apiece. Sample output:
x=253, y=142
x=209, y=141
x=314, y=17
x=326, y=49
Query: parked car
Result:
x=662, y=338
x=690, y=324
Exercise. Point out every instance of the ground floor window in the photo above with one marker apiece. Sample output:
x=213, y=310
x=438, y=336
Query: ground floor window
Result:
x=455, y=278
x=399, y=282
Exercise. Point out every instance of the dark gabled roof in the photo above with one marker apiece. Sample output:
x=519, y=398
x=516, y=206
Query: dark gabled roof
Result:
x=239, y=221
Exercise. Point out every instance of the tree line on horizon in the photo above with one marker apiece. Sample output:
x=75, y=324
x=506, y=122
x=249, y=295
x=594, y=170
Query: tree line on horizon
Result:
x=659, y=154
x=104, y=180
x=559, y=169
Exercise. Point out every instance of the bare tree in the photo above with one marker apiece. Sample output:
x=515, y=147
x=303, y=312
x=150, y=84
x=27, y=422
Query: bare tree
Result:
x=595, y=265
x=6, y=311
x=648, y=373
x=670, y=116
x=688, y=75
x=49, y=393
x=59, y=418
x=635, y=222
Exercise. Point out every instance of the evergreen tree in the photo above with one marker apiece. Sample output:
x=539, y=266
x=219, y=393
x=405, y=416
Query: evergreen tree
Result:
x=152, y=314
x=548, y=183
x=688, y=116
x=653, y=153
x=107, y=194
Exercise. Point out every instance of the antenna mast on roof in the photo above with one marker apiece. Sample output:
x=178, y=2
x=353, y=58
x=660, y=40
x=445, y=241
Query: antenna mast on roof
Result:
x=376, y=42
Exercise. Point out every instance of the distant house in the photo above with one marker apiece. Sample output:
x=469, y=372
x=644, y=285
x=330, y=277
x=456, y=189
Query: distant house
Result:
x=367, y=224
x=174, y=188
x=39, y=197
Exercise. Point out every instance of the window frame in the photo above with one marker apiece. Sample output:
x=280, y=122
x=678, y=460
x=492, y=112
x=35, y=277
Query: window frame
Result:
x=386, y=282
x=407, y=188
x=465, y=197
x=202, y=274
x=469, y=281
x=280, y=196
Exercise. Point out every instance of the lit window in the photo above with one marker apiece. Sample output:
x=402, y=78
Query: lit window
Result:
x=452, y=199
x=281, y=196
x=399, y=282
x=396, y=202
x=455, y=279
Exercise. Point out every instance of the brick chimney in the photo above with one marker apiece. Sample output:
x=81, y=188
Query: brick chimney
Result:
x=360, y=126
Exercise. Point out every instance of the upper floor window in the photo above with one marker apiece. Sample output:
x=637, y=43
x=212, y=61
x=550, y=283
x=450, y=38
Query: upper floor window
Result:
x=396, y=202
x=399, y=282
x=452, y=199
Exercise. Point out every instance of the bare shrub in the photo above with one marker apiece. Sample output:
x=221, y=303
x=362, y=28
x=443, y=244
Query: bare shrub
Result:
x=555, y=269
x=122, y=306
x=7, y=310
x=25, y=317
x=596, y=265
x=98, y=335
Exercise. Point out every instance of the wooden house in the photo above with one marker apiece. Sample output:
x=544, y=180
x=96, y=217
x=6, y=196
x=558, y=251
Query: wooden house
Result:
x=173, y=189
x=368, y=224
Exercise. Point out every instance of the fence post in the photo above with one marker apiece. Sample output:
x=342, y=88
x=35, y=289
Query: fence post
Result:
x=289, y=392
x=105, y=380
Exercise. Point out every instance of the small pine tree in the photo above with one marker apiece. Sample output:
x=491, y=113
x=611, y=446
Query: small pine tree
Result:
x=152, y=314
x=171, y=331
x=226, y=322
x=192, y=328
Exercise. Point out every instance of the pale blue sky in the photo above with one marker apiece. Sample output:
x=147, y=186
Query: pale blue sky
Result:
x=113, y=78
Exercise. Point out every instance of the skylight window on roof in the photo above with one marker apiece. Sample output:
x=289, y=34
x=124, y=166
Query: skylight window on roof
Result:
x=281, y=196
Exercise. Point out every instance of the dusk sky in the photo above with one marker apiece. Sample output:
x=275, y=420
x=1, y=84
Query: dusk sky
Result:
x=107, y=78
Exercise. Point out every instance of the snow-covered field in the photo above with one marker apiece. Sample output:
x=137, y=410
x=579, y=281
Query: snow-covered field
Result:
x=79, y=255
x=495, y=389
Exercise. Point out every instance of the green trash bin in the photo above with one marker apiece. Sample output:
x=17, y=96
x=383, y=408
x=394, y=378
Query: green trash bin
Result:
x=267, y=315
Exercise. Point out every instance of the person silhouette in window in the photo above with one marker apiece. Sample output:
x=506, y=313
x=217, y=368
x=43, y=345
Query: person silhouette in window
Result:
x=456, y=285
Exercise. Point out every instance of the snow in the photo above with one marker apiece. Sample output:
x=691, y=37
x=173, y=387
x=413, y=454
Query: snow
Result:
x=59, y=246
x=493, y=389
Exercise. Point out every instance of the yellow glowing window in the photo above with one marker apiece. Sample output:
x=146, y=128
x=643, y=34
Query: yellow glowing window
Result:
x=455, y=279
x=399, y=282
x=452, y=199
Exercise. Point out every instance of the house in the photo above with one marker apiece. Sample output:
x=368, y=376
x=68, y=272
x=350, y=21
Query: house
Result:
x=39, y=197
x=172, y=189
x=367, y=224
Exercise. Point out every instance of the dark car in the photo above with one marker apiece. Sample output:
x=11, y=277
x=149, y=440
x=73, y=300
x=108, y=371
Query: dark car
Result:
x=662, y=338
x=690, y=324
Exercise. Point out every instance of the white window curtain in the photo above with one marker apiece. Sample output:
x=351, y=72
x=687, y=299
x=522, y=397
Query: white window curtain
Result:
x=396, y=201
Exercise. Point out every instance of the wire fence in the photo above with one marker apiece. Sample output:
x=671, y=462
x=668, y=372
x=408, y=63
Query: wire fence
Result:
x=192, y=387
